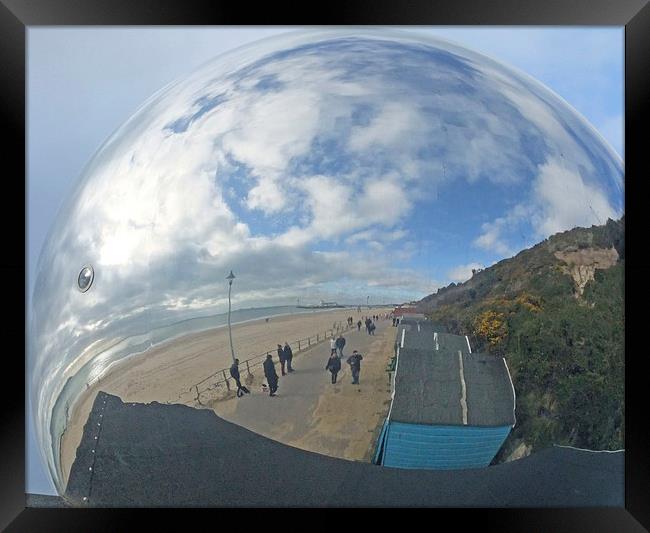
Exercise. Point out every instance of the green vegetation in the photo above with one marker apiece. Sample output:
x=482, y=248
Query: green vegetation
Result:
x=565, y=351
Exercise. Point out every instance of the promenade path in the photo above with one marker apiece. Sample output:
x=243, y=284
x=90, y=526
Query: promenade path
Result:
x=309, y=412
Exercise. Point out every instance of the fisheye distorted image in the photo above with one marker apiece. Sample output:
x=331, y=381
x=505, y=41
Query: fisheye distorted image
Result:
x=331, y=257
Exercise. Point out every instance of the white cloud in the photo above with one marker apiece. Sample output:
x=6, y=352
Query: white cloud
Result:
x=556, y=135
x=268, y=132
x=462, y=273
x=266, y=196
x=183, y=303
x=337, y=209
x=396, y=123
x=491, y=237
x=376, y=246
x=374, y=234
x=383, y=202
x=566, y=201
x=559, y=200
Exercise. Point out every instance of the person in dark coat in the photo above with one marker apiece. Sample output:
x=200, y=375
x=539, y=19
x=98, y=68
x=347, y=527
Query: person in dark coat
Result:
x=270, y=374
x=355, y=365
x=359, y=325
x=282, y=358
x=371, y=328
x=288, y=356
x=340, y=344
x=234, y=373
x=333, y=365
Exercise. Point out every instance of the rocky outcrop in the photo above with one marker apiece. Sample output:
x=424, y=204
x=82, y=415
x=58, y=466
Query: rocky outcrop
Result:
x=520, y=451
x=581, y=264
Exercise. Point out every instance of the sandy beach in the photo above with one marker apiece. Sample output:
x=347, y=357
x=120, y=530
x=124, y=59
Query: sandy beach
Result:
x=167, y=372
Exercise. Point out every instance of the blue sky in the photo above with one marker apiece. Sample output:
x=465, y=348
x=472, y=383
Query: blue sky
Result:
x=83, y=83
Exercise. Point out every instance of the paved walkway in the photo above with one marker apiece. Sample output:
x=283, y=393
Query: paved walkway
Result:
x=310, y=412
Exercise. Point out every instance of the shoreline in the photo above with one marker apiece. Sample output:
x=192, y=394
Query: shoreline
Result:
x=167, y=370
x=116, y=364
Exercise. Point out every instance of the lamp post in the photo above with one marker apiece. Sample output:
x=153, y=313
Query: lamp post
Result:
x=368, y=301
x=230, y=277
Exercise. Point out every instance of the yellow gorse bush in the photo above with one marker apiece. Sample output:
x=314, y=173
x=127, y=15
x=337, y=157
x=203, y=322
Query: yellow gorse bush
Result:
x=492, y=326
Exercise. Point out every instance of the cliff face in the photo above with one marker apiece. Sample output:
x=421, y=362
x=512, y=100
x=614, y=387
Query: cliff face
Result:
x=582, y=264
x=555, y=312
x=576, y=254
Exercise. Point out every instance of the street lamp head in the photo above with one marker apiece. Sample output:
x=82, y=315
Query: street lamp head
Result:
x=230, y=277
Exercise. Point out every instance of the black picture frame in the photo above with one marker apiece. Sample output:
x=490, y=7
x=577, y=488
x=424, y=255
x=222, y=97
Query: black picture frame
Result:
x=17, y=15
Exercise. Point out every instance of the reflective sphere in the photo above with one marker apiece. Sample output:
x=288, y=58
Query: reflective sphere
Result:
x=323, y=165
x=85, y=279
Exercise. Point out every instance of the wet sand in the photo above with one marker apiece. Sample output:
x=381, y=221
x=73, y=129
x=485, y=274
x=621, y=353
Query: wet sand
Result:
x=167, y=373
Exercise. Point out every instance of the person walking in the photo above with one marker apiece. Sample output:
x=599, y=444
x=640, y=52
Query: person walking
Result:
x=371, y=328
x=288, y=356
x=340, y=344
x=333, y=365
x=282, y=358
x=270, y=375
x=355, y=365
x=332, y=345
x=234, y=373
x=359, y=325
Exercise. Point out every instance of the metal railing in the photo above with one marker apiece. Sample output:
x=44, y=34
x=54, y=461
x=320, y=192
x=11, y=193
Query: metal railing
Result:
x=222, y=377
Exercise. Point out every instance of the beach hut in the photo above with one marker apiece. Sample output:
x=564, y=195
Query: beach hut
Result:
x=406, y=311
x=451, y=409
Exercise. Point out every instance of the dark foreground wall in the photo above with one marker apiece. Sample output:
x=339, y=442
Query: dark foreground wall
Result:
x=173, y=455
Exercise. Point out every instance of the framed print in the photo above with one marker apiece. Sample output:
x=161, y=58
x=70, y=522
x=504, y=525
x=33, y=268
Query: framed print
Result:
x=381, y=250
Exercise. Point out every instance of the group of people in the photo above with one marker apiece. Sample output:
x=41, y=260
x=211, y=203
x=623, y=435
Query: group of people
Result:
x=337, y=345
x=336, y=354
x=370, y=326
x=285, y=355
